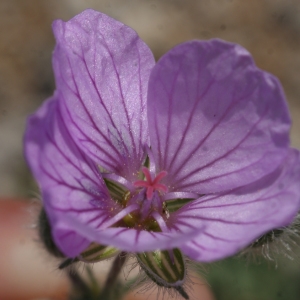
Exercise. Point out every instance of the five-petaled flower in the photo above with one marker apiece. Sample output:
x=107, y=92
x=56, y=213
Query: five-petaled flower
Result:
x=190, y=153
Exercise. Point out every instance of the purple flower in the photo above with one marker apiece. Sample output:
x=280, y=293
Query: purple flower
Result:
x=191, y=152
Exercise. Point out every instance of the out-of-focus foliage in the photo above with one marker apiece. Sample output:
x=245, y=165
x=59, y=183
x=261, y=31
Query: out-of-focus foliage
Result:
x=236, y=279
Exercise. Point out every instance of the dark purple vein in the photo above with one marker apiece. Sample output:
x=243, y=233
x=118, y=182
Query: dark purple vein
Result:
x=220, y=157
x=201, y=142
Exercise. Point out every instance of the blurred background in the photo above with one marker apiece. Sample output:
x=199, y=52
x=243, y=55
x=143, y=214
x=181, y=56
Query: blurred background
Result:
x=269, y=29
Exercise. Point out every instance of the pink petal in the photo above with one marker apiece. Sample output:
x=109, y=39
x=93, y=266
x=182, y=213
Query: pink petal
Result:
x=216, y=121
x=70, y=182
x=102, y=69
x=126, y=239
x=232, y=221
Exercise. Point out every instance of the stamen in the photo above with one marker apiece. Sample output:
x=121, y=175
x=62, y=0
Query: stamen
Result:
x=119, y=216
x=119, y=179
x=151, y=185
x=161, y=222
x=180, y=195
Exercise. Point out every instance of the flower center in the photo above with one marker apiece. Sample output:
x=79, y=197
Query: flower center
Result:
x=139, y=204
x=151, y=185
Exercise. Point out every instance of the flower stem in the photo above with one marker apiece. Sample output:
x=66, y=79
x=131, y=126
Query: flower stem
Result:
x=182, y=292
x=80, y=289
x=113, y=276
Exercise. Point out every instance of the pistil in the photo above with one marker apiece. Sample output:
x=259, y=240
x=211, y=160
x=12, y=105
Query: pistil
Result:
x=152, y=185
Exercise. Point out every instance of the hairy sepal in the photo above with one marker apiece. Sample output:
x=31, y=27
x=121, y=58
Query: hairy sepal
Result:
x=95, y=253
x=165, y=268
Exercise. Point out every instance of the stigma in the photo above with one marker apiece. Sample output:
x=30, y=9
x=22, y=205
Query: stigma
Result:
x=152, y=185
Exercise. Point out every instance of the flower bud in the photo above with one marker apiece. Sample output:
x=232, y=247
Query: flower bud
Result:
x=45, y=235
x=92, y=254
x=276, y=243
x=96, y=252
x=166, y=268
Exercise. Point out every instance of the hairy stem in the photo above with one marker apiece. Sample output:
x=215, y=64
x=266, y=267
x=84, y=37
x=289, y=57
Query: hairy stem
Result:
x=113, y=275
x=182, y=292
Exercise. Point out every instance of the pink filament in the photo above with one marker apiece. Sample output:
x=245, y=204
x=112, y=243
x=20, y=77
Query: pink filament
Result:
x=161, y=222
x=152, y=185
x=119, y=216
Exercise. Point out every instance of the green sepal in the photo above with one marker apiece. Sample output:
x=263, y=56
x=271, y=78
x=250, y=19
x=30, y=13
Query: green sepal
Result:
x=147, y=162
x=45, y=234
x=175, y=204
x=166, y=268
x=117, y=191
x=95, y=253
x=267, y=238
